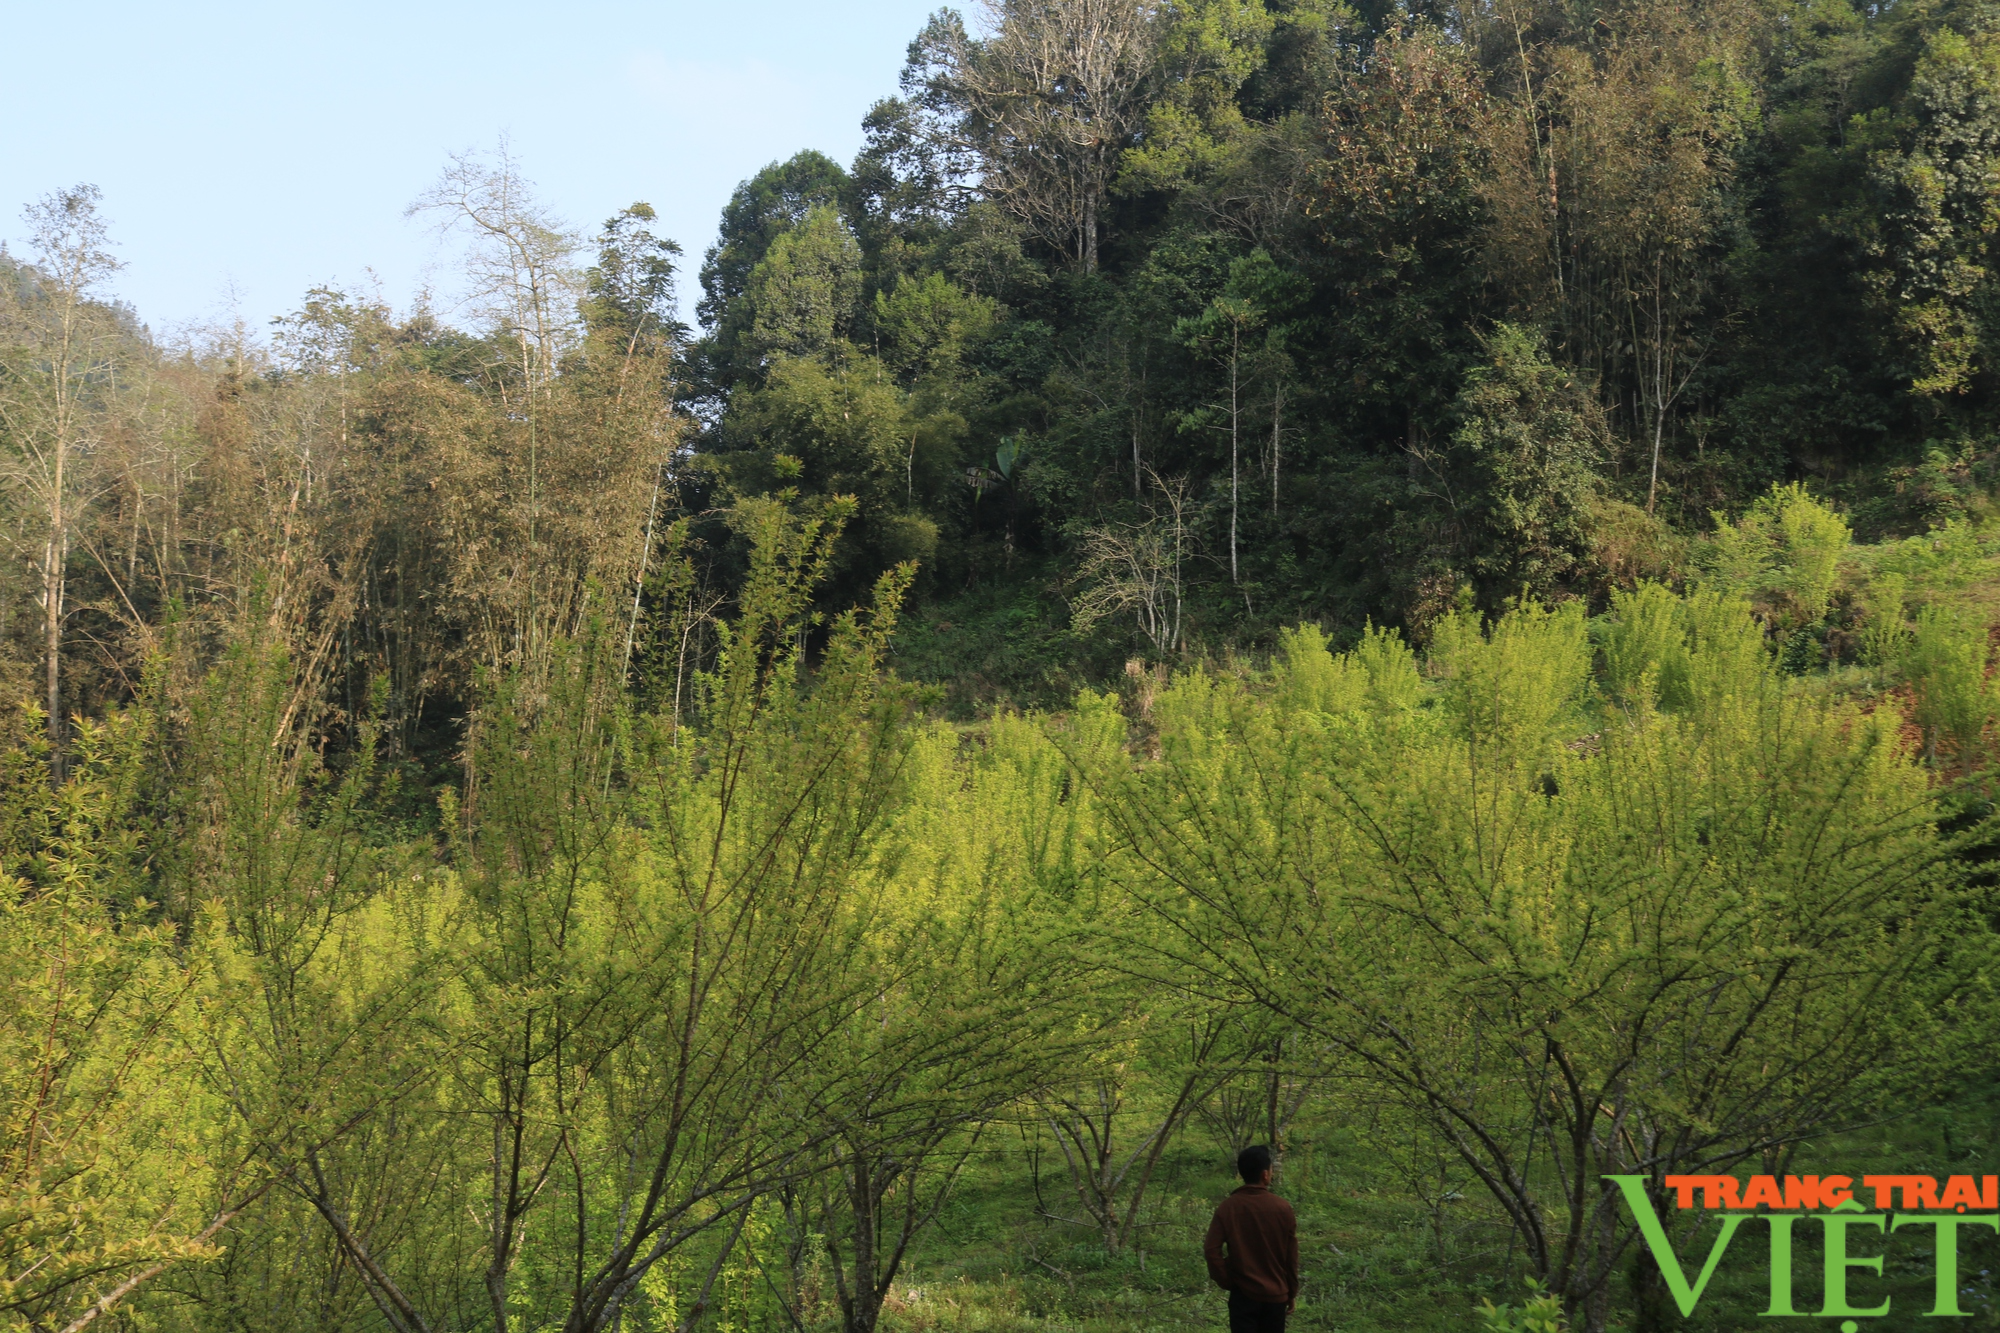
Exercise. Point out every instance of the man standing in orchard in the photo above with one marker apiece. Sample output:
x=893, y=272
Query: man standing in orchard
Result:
x=1253, y=1249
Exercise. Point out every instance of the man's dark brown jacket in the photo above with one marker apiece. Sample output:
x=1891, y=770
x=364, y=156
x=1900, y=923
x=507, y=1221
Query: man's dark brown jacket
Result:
x=1253, y=1246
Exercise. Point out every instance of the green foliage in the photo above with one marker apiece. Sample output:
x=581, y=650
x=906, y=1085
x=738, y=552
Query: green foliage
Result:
x=721, y=1012
x=1945, y=661
x=843, y=427
x=109, y=1151
x=1540, y=1313
x=1404, y=306
x=629, y=292
x=988, y=653
x=1928, y=165
x=1886, y=635
x=1394, y=681
x=1520, y=474
x=929, y=326
x=1646, y=657
x=1393, y=890
x=801, y=295
x=1210, y=50
x=1785, y=552
x=763, y=208
x=1313, y=680
x=833, y=436
x=1346, y=388
x=662, y=961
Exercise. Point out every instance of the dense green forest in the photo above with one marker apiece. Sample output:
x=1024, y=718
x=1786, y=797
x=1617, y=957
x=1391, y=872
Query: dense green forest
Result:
x=1411, y=584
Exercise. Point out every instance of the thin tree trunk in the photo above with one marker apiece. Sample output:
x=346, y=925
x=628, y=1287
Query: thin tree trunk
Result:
x=700, y=1306
x=1136, y=465
x=1090, y=231
x=1277, y=438
x=639, y=583
x=1235, y=441
x=508, y=1204
x=1175, y=1115
x=397, y=1309
x=53, y=591
x=57, y=552
x=1664, y=391
x=132, y=551
x=496, y=1266
x=680, y=663
x=1653, y=482
x=861, y=1308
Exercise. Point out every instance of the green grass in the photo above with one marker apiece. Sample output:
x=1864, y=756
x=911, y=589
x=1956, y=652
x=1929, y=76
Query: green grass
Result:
x=1000, y=648
x=1369, y=1253
x=1375, y=1259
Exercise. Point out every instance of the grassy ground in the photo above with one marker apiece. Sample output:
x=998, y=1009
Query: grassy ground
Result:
x=1375, y=1257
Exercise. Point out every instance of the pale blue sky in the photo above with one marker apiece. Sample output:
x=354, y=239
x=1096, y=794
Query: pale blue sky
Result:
x=272, y=147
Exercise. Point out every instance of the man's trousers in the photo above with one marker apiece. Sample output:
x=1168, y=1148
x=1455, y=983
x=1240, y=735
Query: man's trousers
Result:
x=1254, y=1316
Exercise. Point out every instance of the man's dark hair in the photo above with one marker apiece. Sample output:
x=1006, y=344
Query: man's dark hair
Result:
x=1252, y=1163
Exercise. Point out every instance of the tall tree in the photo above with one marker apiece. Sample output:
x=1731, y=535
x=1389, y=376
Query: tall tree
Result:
x=632, y=287
x=775, y=200
x=1053, y=99
x=53, y=410
x=1611, y=200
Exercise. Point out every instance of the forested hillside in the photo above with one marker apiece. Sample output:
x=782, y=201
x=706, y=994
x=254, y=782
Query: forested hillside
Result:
x=1412, y=585
x=1142, y=330
x=1269, y=312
